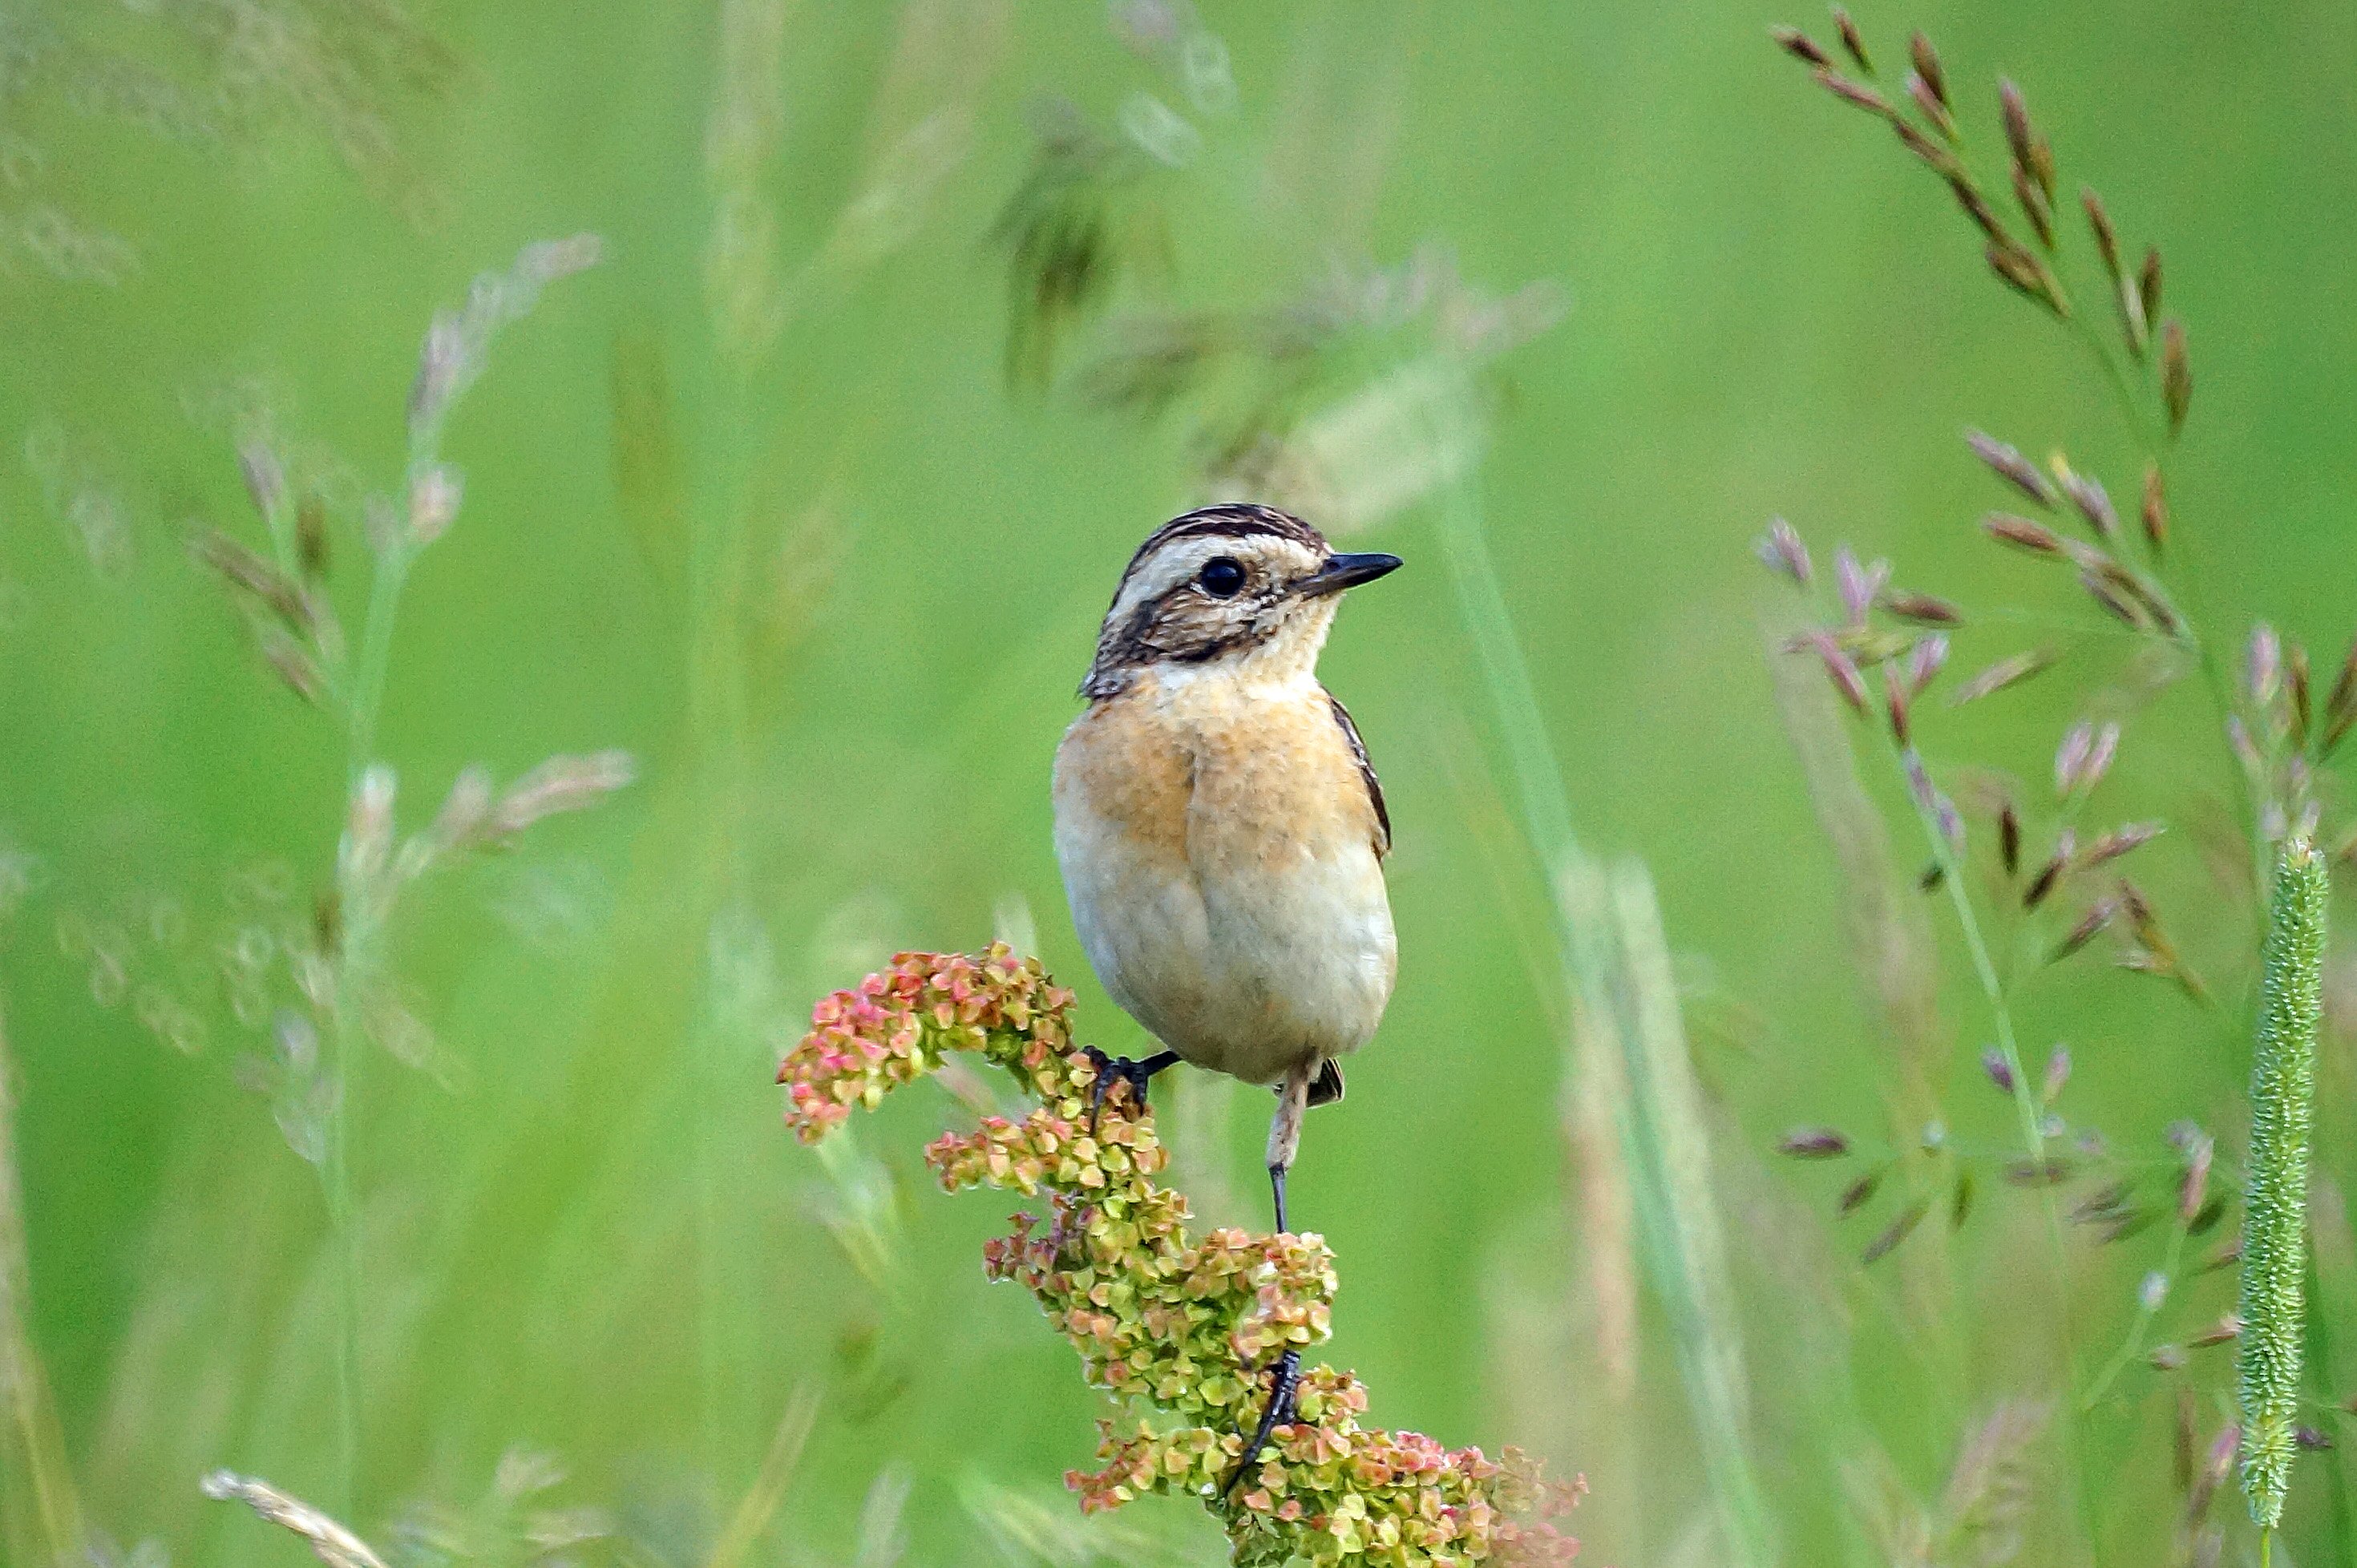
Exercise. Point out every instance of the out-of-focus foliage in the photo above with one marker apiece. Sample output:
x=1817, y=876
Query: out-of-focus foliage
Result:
x=809, y=497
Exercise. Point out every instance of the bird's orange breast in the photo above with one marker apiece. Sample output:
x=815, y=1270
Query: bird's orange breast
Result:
x=1218, y=843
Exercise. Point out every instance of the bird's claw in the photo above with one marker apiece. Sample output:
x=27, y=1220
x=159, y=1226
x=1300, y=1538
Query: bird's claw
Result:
x=1111, y=1071
x=1280, y=1412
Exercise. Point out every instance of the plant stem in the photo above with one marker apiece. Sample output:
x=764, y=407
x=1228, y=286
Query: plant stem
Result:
x=2025, y=1106
x=2033, y=1135
x=1538, y=776
x=2134, y=1342
x=1616, y=975
x=350, y=959
x=367, y=692
x=51, y=1521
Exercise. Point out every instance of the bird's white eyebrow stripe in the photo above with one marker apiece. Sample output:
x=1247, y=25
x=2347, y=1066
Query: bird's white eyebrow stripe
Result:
x=1229, y=521
x=1167, y=570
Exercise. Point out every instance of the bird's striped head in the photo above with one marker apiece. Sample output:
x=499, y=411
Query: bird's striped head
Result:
x=1221, y=586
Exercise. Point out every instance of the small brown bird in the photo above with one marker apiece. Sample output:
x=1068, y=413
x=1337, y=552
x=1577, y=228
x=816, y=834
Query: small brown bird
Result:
x=1219, y=829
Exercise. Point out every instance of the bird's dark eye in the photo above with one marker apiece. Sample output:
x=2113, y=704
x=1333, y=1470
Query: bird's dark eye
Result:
x=1222, y=577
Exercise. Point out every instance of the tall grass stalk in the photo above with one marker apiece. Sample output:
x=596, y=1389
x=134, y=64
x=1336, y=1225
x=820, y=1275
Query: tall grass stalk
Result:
x=747, y=307
x=40, y=1512
x=2031, y=1116
x=1617, y=973
x=356, y=953
x=350, y=926
x=760, y=1504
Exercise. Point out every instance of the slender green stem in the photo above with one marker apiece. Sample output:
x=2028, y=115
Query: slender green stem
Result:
x=375, y=658
x=2131, y=1345
x=2033, y=1136
x=1601, y=978
x=366, y=696
x=1538, y=776
x=2025, y=1103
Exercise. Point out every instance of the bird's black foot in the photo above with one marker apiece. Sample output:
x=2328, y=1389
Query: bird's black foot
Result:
x=1121, y=1069
x=1280, y=1412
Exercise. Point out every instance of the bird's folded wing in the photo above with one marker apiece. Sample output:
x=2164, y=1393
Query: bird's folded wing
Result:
x=1374, y=789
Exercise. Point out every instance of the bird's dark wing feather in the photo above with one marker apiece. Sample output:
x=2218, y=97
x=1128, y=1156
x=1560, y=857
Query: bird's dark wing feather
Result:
x=1366, y=774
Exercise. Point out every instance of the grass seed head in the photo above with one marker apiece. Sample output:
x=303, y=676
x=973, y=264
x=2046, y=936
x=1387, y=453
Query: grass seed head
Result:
x=1853, y=44
x=1800, y=45
x=1895, y=703
x=434, y=491
x=1921, y=609
x=248, y=574
x=2087, y=494
x=1926, y=96
x=2296, y=686
x=1897, y=1232
x=2099, y=915
x=2123, y=607
x=2016, y=267
x=1851, y=92
x=2021, y=138
x=2031, y=199
x=2119, y=841
x=294, y=666
x=2340, y=707
x=1925, y=660
x=2022, y=534
x=266, y=476
x=1860, y=1192
x=2216, y=1462
x=311, y=538
x=2066, y=847
x=2084, y=758
x=2176, y=374
x=2263, y=665
x=563, y=783
x=2275, y=1226
x=2010, y=465
x=1839, y=669
x=2225, y=1331
x=2156, y=509
x=2099, y=223
x=2193, y=1187
x=1926, y=61
x=1859, y=586
x=1781, y=550
x=2134, y=320
x=1814, y=1143
x=2010, y=670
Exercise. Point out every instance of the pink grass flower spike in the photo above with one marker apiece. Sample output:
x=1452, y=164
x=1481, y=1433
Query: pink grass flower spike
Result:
x=1178, y=1327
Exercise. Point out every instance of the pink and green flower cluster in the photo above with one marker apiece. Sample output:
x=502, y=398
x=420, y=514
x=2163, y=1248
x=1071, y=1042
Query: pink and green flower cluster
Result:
x=1173, y=1326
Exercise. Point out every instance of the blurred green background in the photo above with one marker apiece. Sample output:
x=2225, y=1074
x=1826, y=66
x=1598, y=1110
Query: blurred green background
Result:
x=831, y=575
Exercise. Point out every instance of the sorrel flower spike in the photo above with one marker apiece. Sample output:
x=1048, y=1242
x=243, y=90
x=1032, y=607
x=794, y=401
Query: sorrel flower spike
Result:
x=1175, y=1327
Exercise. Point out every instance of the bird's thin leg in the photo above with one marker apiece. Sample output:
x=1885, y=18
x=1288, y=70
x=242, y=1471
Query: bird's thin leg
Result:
x=1280, y=1412
x=1285, y=1131
x=1123, y=1069
x=1283, y=1142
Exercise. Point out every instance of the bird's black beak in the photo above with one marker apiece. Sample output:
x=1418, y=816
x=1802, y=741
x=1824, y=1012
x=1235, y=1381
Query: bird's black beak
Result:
x=1340, y=572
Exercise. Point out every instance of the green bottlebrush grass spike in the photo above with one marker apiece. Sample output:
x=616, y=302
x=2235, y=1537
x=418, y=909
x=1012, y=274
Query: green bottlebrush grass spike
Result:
x=2275, y=1227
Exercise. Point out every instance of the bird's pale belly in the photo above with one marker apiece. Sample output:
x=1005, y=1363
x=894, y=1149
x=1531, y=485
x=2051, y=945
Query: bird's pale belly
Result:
x=1229, y=896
